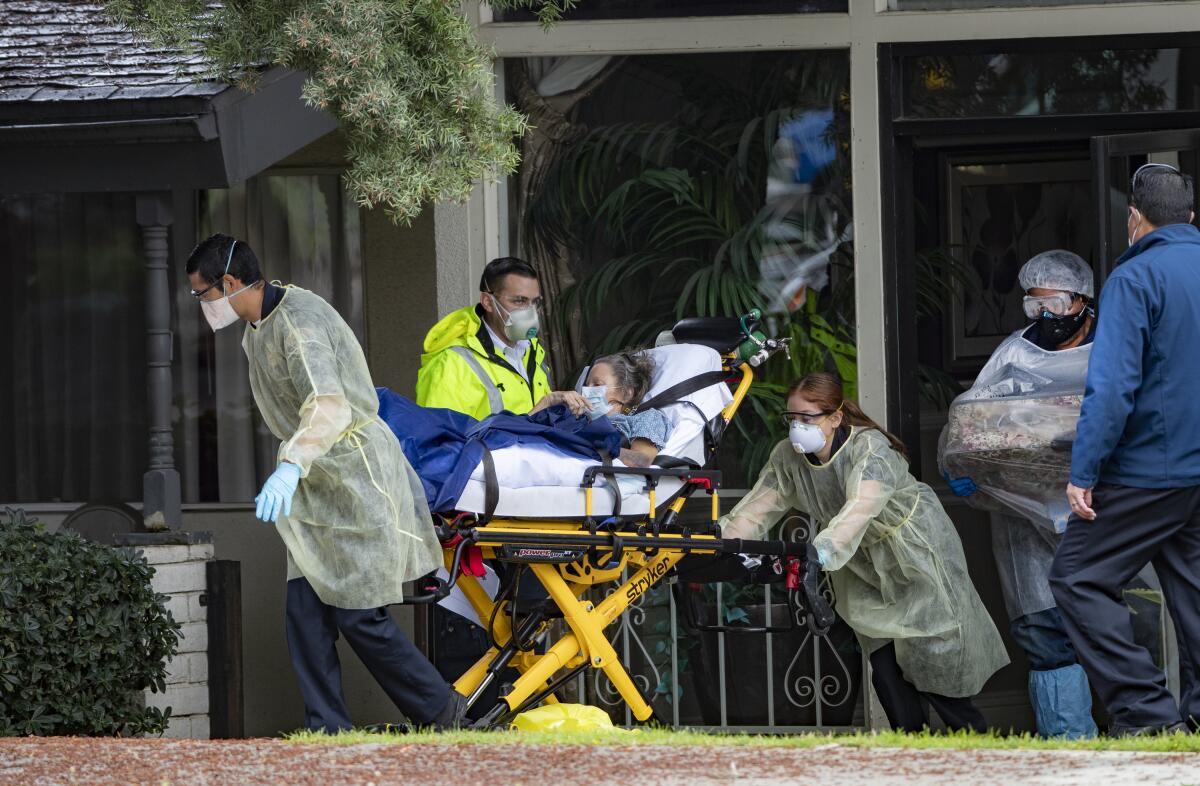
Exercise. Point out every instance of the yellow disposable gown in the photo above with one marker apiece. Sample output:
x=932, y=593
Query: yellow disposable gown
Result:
x=360, y=525
x=896, y=563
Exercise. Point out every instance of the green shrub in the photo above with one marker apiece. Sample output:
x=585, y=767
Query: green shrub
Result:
x=82, y=635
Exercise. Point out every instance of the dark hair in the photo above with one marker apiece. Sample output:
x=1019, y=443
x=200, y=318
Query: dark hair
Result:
x=634, y=372
x=825, y=390
x=497, y=269
x=1163, y=195
x=209, y=256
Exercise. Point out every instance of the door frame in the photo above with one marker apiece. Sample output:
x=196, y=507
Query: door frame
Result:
x=901, y=136
x=1105, y=148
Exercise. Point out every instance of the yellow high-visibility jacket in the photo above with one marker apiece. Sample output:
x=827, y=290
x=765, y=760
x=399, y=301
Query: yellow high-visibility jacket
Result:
x=463, y=371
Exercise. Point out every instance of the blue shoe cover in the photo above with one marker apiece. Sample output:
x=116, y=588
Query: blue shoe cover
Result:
x=1062, y=703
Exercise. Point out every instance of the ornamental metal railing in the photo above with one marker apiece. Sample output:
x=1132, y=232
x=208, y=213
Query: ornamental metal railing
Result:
x=787, y=680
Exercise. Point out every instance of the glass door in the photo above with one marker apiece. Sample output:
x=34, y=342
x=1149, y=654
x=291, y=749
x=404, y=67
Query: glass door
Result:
x=1114, y=160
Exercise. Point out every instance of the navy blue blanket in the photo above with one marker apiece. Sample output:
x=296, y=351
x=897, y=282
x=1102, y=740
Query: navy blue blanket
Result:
x=445, y=446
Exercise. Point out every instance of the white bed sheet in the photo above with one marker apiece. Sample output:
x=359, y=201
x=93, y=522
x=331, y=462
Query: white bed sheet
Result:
x=523, y=466
x=562, y=501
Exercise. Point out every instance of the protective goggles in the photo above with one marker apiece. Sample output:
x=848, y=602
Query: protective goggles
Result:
x=1057, y=304
x=808, y=418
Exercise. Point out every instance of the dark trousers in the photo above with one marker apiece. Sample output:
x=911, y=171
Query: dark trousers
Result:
x=1096, y=561
x=1044, y=638
x=460, y=643
x=902, y=702
x=404, y=673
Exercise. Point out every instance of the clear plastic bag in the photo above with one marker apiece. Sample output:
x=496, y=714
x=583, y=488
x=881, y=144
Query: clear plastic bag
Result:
x=1012, y=432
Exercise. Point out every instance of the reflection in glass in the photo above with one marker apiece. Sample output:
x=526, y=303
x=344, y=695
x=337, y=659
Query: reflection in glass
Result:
x=73, y=389
x=650, y=9
x=1047, y=83
x=305, y=231
x=1002, y=211
x=955, y=5
x=657, y=188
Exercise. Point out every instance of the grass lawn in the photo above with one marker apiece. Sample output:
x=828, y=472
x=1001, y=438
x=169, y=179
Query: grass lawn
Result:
x=1175, y=743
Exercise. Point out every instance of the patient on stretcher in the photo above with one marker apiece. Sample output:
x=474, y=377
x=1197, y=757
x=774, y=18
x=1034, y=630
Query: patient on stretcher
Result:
x=616, y=384
x=614, y=387
x=540, y=458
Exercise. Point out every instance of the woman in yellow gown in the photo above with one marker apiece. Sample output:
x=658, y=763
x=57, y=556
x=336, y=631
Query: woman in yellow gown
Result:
x=895, y=561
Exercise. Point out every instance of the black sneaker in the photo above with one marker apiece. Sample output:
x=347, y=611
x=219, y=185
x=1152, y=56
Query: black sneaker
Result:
x=454, y=716
x=1116, y=730
x=388, y=728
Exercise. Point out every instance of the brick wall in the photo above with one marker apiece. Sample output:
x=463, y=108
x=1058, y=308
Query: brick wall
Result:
x=179, y=572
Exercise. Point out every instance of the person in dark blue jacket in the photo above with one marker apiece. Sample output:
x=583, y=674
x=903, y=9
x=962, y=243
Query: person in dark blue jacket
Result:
x=1135, y=467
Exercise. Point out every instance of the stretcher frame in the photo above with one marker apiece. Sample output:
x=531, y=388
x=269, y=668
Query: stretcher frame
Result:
x=569, y=557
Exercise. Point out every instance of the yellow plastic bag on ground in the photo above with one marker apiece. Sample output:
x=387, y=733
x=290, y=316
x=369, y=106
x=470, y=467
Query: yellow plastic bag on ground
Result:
x=564, y=717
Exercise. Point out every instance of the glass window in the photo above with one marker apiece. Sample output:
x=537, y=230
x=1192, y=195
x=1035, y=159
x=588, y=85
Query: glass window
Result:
x=305, y=231
x=649, y=9
x=1047, y=83
x=73, y=397
x=955, y=5
x=655, y=188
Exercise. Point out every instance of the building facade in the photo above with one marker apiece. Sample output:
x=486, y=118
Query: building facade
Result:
x=953, y=139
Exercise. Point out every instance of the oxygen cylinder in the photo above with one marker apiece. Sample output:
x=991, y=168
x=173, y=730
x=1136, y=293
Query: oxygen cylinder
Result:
x=754, y=337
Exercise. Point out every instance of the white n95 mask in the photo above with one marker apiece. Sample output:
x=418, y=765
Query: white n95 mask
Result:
x=220, y=313
x=597, y=399
x=805, y=437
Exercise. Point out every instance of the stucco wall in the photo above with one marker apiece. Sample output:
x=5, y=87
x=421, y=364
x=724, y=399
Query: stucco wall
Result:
x=400, y=292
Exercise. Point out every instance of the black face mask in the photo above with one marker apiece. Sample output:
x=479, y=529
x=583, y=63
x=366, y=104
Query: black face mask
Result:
x=1059, y=330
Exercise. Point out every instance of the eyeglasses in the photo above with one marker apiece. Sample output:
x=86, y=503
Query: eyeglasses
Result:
x=200, y=295
x=1133, y=182
x=1057, y=304
x=518, y=302
x=808, y=418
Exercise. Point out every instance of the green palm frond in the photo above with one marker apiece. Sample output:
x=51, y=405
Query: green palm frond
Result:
x=673, y=218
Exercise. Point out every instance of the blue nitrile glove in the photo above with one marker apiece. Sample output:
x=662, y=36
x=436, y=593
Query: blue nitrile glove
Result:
x=277, y=492
x=1060, y=513
x=961, y=487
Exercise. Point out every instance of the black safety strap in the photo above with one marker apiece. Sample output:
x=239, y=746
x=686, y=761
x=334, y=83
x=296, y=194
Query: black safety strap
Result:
x=613, y=486
x=663, y=461
x=491, y=484
x=679, y=390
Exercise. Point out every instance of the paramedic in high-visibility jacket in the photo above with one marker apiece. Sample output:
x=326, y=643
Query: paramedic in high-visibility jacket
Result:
x=481, y=360
x=486, y=358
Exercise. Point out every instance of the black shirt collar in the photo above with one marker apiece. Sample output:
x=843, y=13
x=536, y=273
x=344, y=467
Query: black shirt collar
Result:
x=271, y=297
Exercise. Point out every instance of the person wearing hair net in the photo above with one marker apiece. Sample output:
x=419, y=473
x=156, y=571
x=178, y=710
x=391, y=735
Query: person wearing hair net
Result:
x=1059, y=295
x=345, y=501
x=895, y=562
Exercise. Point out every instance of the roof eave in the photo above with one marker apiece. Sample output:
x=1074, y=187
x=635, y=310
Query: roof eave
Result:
x=207, y=141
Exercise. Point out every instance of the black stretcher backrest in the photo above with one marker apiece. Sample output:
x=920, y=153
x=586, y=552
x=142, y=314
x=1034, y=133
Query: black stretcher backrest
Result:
x=723, y=334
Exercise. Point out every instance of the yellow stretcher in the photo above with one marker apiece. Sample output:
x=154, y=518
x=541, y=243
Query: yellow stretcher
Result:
x=571, y=557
